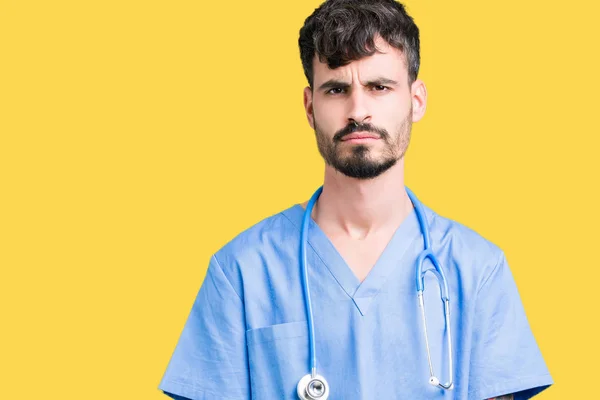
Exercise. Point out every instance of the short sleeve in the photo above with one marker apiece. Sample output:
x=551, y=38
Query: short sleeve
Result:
x=505, y=357
x=210, y=359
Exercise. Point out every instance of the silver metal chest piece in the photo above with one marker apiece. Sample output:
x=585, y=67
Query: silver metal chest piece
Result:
x=310, y=388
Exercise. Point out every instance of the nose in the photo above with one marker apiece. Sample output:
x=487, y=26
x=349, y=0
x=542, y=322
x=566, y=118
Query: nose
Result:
x=358, y=108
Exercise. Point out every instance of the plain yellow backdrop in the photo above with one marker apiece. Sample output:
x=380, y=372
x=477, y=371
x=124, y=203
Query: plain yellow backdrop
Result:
x=138, y=137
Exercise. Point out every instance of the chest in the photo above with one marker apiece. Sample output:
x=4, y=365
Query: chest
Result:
x=361, y=255
x=364, y=357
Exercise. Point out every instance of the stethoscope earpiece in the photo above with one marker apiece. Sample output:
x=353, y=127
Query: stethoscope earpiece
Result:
x=434, y=381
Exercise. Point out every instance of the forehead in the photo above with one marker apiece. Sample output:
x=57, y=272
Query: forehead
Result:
x=387, y=62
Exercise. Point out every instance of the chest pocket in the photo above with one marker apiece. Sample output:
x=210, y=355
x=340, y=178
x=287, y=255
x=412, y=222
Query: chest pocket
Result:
x=278, y=357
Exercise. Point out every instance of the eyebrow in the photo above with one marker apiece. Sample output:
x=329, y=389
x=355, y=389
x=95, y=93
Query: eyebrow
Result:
x=334, y=83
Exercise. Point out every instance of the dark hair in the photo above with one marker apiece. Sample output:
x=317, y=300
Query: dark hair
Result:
x=341, y=31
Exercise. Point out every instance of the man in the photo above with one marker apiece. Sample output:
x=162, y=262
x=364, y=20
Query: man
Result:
x=247, y=335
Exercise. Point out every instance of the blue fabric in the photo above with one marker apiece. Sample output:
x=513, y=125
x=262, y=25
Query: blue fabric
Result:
x=246, y=335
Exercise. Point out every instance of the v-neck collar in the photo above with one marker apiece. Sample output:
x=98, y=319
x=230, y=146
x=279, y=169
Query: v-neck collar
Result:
x=362, y=293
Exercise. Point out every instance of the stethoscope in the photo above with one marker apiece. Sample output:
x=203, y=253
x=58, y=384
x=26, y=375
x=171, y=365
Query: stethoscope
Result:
x=314, y=386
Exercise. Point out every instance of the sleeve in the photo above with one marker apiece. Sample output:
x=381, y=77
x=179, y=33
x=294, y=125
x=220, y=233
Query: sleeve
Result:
x=505, y=358
x=210, y=359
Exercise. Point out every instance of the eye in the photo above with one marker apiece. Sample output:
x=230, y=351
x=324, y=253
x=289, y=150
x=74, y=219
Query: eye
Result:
x=380, y=88
x=337, y=90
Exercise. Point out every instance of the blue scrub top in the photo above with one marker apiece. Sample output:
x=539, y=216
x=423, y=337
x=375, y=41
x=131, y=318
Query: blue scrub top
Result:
x=246, y=336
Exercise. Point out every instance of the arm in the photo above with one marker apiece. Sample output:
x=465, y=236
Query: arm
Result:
x=505, y=357
x=210, y=359
x=505, y=397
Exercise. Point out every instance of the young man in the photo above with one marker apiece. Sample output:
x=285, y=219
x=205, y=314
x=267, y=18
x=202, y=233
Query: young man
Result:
x=248, y=334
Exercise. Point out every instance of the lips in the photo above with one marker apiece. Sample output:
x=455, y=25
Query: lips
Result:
x=360, y=135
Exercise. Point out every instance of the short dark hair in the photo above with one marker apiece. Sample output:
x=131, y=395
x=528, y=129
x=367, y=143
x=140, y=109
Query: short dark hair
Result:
x=341, y=31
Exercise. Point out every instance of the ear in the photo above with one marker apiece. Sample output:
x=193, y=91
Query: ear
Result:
x=418, y=93
x=308, y=106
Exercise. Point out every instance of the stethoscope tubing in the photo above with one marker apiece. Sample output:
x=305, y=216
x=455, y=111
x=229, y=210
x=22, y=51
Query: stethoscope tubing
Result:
x=307, y=301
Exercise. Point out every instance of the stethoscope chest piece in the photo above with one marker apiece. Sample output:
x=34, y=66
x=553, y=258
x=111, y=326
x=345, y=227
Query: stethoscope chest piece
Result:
x=310, y=388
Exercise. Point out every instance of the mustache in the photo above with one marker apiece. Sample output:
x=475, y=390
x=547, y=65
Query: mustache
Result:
x=351, y=128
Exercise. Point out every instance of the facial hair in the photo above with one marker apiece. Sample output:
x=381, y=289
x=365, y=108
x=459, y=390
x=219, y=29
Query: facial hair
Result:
x=361, y=164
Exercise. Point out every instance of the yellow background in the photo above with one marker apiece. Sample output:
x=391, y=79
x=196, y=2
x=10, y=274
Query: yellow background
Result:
x=138, y=137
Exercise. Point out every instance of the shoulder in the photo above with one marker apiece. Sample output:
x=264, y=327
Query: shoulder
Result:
x=465, y=249
x=252, y=246
x=449, y=231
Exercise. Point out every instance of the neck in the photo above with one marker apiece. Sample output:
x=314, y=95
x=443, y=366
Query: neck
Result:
x=357, y=207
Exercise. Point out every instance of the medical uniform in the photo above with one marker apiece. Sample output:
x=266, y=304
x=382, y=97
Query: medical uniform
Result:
x=246, y=336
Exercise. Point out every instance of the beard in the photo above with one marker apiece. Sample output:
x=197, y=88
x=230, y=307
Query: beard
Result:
x=362, y=163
